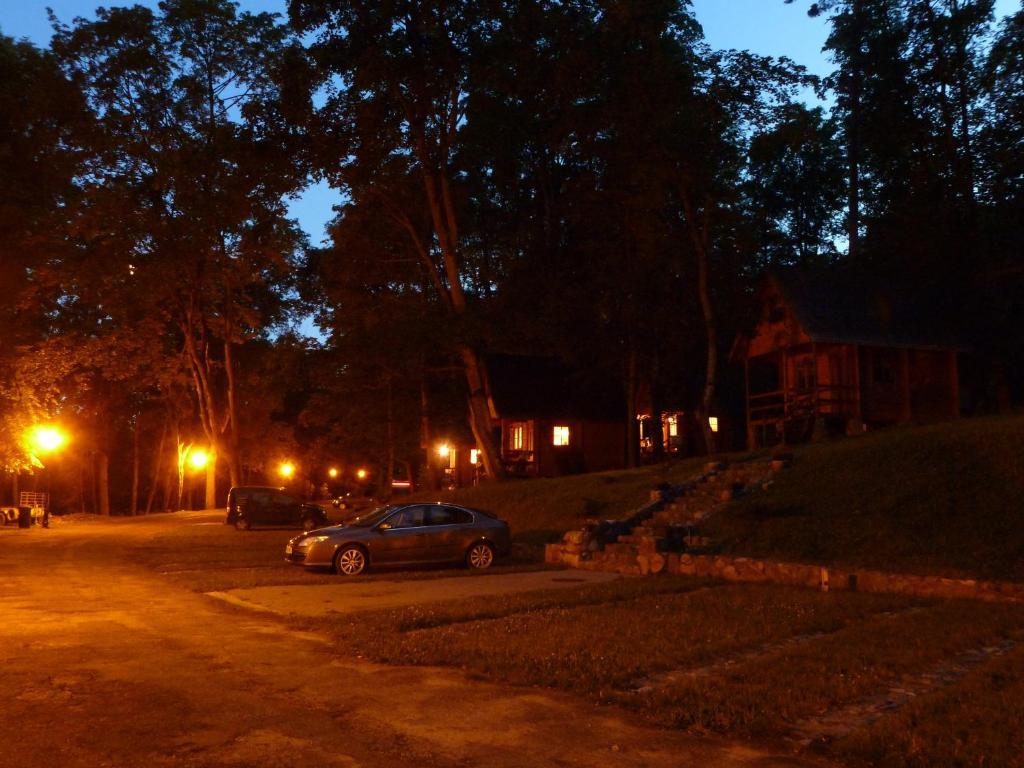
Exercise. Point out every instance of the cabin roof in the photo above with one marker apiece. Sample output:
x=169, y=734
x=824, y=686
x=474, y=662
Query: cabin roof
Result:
x=535, y=387
x=839, y=306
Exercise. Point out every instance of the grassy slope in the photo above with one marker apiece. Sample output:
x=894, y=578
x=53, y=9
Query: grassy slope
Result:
x=542, y=510
x=945, y=498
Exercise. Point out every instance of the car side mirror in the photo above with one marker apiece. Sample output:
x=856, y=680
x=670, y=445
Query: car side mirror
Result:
x=384, y=527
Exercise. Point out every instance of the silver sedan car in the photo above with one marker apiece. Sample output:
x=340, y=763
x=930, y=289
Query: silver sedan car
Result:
x=409, y=533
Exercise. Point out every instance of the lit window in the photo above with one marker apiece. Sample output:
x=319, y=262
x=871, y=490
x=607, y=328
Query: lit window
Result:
x=673, y=426
x=561, y=436
x=713, y=423
x=517, y=437
x=474, y=456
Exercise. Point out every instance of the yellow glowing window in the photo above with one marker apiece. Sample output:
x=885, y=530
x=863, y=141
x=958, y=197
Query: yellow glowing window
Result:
x=713, y=423
x=673, y=426
x=561, y=436
x=474, y=456
x=517, y=437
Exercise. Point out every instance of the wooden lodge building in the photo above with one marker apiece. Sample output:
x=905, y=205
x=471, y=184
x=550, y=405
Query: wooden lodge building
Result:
x=553, y=421
x=829, y=354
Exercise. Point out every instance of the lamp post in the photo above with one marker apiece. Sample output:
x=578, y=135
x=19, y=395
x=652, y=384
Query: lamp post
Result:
x=198, y=461
x=44, y=439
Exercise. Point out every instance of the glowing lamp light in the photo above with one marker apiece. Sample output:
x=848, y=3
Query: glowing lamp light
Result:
x=443, y=450
x=45, y=439
x=361, y=474
x=198, y=458
x=474, y=456
x=713, y=423
x=286, y=470
x=332, y=472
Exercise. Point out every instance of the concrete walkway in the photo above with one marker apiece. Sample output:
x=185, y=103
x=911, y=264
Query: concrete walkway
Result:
x=351, y=595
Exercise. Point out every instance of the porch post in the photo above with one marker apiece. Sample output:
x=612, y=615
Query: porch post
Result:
x=751, y=438
x=905, y=409
x=857, y=410
x=954, y=384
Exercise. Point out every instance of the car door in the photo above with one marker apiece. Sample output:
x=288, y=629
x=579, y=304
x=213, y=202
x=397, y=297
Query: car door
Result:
x=402, y=537
x=254, y=507
x=447, y=531
x=286, y=509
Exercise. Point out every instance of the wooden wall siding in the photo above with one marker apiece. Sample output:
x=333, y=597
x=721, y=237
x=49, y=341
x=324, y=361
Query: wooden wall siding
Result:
x=777, y=328
x=843, y=382
x=594, y=446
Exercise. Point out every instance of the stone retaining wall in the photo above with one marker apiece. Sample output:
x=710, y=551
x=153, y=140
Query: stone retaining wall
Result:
x=820, y=577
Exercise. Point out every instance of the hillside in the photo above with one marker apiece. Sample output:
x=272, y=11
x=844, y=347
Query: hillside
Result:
x=542, y=510
x=945, y=498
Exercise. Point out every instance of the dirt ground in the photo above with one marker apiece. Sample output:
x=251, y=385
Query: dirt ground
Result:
x=107, y=662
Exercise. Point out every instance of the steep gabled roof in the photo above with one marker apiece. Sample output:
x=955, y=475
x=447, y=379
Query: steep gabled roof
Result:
x=534, y=387
x=842, y=306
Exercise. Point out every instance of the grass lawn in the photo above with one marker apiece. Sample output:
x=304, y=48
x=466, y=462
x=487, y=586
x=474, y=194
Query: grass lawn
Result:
x=945, y=498
x=762, y=697
x=540, y=511
x=979, y=721
x=749, y=661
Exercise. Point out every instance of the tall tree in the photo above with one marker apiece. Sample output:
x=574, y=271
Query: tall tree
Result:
x=194, y=163
x=40, y=109
x=397, y=79
x=794, y=187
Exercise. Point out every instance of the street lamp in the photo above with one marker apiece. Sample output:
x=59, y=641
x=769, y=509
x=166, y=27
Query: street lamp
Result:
x=443, y=450
x=361, y=473
x=332, y=472
x=198, y=459
x=286, y=470
x=46, y=438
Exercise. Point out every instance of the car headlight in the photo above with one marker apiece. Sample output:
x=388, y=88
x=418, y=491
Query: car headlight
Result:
x=316, y=539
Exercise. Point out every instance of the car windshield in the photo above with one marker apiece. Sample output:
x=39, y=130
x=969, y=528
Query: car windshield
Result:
x=371, y=518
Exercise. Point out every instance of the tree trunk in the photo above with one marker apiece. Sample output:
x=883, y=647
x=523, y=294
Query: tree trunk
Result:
x=103, y=483
x=479, y=414
x=389, y=460
x=134, y=505
x=442, y=216
x=700, y=237
x=853, y=143
x=426, y=435
x=180, y=467
x=168, y=479
x=708, y=396
x=233, y=459
x=632, y=438
x=158, y=460
x=81, y=487
x=210, y=502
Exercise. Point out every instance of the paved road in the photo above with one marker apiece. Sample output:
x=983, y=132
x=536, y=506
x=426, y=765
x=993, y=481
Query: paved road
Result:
x=105, y=663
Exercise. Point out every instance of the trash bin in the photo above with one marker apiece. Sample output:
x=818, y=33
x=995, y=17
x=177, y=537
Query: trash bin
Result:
x=24, y=517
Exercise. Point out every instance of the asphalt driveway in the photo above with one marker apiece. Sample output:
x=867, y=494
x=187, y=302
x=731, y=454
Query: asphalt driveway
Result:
x=110, y=662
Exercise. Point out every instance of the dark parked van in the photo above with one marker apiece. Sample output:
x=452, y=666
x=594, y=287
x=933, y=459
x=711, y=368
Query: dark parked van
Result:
x=250, y=505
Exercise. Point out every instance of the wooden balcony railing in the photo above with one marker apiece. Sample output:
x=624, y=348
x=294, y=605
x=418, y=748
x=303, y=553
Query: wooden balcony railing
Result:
x=784, y=405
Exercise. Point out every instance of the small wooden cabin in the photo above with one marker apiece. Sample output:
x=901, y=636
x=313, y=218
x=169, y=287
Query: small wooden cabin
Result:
x=830, y=354
x=552, y=421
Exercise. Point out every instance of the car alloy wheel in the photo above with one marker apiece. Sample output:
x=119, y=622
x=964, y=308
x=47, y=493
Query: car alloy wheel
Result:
x=350, y=561
x=480, y=556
